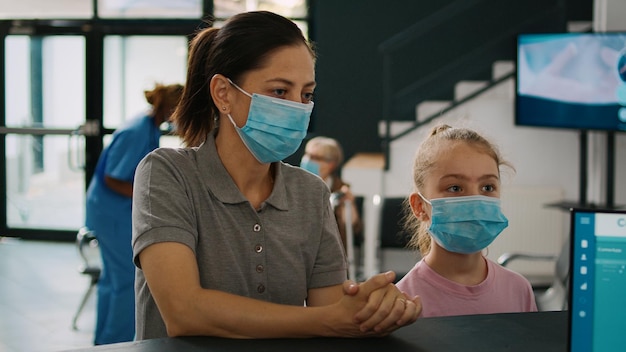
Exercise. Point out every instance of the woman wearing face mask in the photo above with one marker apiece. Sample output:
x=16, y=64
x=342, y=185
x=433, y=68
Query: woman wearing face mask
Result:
x=323, y=157
x=454, y=213
x=226, y=242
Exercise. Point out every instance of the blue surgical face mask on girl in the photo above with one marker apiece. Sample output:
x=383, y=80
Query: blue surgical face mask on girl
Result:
x=466, y=224
x=275, y=127
x=309, y=165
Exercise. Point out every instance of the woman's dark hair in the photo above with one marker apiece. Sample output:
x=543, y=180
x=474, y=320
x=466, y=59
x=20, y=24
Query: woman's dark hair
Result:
x=241, y=45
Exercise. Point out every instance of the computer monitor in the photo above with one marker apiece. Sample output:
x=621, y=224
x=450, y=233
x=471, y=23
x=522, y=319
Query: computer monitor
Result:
x=571, y=81
x=597, y=292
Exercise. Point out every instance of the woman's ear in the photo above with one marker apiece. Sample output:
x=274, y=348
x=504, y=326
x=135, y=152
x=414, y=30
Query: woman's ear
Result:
x=417, y=207
x=219, y=87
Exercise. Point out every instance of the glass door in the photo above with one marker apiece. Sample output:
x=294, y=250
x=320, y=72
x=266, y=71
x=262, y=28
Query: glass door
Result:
x=66, y=89
x=134, y=64
x=71, y=72
x=42, y=133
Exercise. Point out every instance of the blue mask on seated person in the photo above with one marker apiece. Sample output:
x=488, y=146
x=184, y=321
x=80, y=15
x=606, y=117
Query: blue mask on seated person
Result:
x=275, y=127
x=309, y=165
x=466, y=224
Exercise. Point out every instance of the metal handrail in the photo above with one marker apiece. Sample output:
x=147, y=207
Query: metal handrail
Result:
x=89, y=129
x=36, y=131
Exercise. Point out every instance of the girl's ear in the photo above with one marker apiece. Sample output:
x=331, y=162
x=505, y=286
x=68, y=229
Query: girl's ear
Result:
x=219, y=87
x=417, y=207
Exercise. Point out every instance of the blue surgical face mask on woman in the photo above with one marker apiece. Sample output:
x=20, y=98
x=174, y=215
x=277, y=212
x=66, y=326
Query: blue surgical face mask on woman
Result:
x=466, y=224
x=275, y=127
x=310, y=165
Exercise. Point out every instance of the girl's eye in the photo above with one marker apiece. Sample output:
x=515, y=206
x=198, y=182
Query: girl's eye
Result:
x=489, y=188
x=454, y=189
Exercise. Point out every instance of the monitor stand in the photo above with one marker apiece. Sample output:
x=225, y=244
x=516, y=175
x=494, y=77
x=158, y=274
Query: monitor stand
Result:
x=583, y=172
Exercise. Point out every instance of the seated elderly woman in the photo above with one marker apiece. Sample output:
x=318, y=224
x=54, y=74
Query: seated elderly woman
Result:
x=323, y=156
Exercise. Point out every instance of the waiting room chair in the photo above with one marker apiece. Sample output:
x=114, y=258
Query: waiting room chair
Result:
x=87, y=245
x=393, y=237
x=554, y=297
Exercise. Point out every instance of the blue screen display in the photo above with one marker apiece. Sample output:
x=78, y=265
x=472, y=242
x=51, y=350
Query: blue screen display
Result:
x=598, y=282
x=572, y=80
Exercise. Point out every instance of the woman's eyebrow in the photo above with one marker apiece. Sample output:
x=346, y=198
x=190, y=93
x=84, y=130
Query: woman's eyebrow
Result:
x=290, y=83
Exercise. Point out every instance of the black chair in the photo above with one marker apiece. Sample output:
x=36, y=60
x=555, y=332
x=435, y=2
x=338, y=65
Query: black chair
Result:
x=87, y=245
x=392, y=234
x=555, y=296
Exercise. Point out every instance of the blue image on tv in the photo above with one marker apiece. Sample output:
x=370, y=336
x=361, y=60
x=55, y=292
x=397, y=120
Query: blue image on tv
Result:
x=571, y=80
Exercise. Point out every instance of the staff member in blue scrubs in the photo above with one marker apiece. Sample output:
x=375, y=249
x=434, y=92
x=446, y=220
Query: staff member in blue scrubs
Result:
x=108, y=213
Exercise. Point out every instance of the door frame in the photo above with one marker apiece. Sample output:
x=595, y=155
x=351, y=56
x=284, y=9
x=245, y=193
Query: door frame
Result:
x=94, y=31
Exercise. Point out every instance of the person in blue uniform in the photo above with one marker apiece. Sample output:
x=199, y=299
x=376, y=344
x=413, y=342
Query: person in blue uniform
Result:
x=108, y=213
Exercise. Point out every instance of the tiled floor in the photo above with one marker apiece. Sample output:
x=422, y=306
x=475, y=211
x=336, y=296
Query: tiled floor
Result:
x=40, y=290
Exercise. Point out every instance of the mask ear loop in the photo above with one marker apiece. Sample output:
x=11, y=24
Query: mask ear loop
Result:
x=239, y=88
x=424, y=198
x=242, y=91
x=232, y=121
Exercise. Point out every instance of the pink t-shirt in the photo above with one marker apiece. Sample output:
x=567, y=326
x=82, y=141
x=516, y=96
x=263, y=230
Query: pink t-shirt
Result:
x=503, y=291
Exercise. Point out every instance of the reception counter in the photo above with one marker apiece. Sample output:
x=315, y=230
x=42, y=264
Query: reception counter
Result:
x=535, y=332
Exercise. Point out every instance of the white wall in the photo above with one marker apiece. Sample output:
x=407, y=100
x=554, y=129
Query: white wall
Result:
x=542, y=157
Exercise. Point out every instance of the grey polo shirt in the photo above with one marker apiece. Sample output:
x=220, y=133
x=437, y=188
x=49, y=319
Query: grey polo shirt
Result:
x=275, y=254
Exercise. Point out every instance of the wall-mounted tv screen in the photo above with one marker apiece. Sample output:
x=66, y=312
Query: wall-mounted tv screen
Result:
x=571, y=80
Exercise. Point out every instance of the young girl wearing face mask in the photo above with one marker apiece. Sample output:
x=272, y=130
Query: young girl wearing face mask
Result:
x=225, y=240
x=454, y=213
